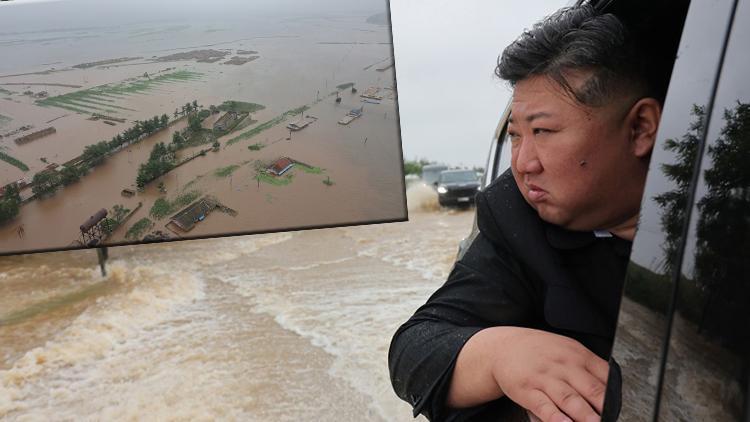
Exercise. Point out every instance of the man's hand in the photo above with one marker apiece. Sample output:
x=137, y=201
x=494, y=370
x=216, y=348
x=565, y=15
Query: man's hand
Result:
x=555, y=377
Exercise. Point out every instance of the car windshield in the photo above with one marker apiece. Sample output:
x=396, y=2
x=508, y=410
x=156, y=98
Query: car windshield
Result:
x=458, y=176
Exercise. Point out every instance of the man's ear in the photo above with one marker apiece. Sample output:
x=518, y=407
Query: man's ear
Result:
x=644, y=119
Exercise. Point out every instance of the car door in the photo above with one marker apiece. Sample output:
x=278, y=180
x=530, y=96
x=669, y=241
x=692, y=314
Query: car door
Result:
x=705, y=374
x=680, y=352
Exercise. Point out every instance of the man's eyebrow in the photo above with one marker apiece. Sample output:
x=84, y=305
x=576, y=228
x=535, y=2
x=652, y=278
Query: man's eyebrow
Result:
x=531, y=117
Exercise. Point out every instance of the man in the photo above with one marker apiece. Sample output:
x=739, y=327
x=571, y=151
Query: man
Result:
x=526, y=318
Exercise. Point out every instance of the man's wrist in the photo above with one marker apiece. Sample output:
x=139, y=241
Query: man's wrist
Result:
x=475, y=379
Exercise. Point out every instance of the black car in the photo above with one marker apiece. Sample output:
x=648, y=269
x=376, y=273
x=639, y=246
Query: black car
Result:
x=457, y=187
x=683, y=335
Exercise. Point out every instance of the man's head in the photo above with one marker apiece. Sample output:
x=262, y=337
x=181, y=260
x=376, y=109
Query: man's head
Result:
x=583, y=119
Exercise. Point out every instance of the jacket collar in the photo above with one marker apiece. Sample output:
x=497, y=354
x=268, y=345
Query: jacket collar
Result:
x=560, y=238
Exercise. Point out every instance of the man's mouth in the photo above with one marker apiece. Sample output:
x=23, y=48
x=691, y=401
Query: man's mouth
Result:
x=535, y=193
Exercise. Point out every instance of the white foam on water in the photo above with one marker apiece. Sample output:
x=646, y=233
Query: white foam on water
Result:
x=350, y=307
x=147, y=296
x=429, y=251
x=54, y=283
x=351, y=318
x=206, y=252
x=421, y=198
x=319, y=264
x=155, y=348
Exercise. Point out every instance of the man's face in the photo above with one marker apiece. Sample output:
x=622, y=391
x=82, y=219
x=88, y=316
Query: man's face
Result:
x=574, y=164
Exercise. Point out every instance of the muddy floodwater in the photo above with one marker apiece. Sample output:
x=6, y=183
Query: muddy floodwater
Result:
x=93, y=83
x=270, y=327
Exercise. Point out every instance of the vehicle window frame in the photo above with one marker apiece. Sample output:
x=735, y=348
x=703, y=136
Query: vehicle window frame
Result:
x=713, y=117
x=674, y=275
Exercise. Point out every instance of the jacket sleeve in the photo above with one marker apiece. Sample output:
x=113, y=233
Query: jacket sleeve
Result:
x=484, y=289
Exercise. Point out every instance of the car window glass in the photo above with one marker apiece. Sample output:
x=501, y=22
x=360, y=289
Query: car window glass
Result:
x=706, y=371
x=504, y=160
x=643, y=318
x=454, y=177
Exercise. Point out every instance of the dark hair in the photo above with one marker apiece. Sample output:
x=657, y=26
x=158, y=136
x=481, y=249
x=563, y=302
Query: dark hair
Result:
x=579, y=39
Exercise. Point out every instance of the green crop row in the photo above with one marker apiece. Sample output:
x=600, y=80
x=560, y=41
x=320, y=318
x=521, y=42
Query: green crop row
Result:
x=13, y=161
x=89, y=99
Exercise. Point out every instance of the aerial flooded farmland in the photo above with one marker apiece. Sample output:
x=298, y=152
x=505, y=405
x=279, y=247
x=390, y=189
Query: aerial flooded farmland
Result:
x=157, y=122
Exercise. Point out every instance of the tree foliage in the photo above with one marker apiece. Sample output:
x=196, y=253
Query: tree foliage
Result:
x=716, y=291
x=10, y=203
x=70, y=175
x=45, y=182
x=160, y=161
x=194, y=123
x=674, y=202
x=415, y=166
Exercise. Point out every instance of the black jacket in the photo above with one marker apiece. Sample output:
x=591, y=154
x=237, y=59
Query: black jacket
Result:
x=518, y=271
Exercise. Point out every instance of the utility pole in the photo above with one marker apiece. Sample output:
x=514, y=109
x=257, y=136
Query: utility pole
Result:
x=102, y=255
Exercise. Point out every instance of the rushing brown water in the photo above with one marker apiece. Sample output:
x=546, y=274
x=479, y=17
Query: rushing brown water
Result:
x=301, y=61
x=283, y=327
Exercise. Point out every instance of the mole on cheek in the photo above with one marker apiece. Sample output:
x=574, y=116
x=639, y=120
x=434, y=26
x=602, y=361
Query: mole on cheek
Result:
x=582, y=163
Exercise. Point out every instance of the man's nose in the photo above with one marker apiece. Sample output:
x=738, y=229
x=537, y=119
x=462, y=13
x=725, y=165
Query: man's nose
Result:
x=527, y=160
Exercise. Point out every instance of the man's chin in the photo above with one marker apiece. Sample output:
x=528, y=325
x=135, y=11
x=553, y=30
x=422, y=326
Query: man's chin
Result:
x=554, y=216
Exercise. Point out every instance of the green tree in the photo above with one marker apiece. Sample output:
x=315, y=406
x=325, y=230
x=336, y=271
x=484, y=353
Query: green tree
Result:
x=69, y=175
x=108, y=225
x=147, y=126
x=158, y=152
x=194, y=122
x=10, y=203
x=45, y=182
x=164, y=120
x=674, y=202
x=716, y=291
x=8, y=210
x=95, y=154
x=160, y=161
x=177, y=139
x=119, y=212
x=723, y=232
x=12, y=193
x=415, y=166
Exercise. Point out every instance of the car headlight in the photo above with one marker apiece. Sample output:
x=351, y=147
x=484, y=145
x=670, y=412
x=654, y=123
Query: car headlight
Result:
x=442, y=189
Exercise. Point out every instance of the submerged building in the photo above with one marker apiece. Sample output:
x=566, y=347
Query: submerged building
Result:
x=302, y=123
x=281, y=166
x=228, y=121
x=353, y=114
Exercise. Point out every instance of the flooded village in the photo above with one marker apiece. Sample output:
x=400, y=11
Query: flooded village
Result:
x=195, y=131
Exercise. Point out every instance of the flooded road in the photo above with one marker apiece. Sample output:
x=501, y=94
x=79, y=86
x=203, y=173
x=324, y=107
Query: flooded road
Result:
x=284, y=327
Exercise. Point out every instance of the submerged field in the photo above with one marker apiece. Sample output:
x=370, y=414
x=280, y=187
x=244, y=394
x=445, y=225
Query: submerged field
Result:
x=104, y=98
x=13, y=161
x=4, y=120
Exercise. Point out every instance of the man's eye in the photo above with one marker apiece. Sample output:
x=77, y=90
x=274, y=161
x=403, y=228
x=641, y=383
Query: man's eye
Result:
x=513, y=136
x=538, y=131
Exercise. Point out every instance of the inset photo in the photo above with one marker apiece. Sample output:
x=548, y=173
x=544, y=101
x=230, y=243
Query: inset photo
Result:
x=154, y=121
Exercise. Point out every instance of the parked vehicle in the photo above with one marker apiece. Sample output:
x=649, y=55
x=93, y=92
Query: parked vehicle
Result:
x=457, y=187
x=682, y=341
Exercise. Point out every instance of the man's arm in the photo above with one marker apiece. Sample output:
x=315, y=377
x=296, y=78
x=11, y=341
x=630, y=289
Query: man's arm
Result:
x=553, y=376
x=483, y=290
x=466, y=345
